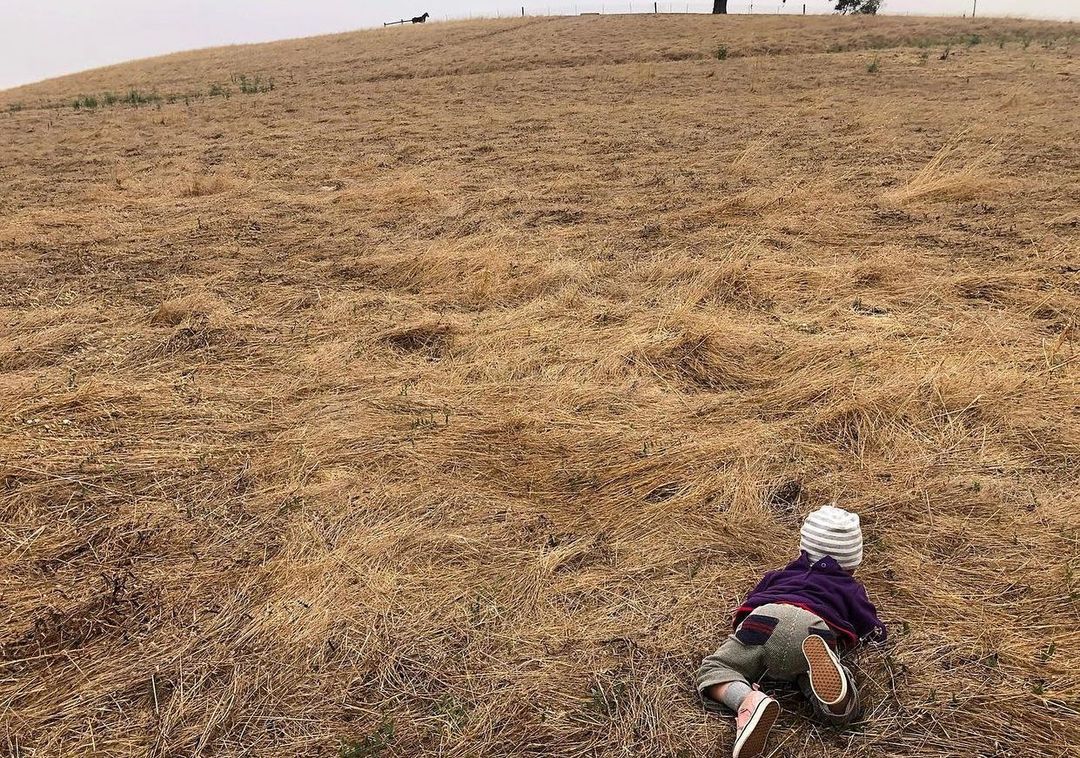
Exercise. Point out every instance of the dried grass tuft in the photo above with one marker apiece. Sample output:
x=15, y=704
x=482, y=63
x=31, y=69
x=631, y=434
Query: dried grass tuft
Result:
x=948, y=176
x=201, y=185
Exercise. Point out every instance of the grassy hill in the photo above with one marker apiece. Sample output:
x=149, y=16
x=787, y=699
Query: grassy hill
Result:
x=441, y=389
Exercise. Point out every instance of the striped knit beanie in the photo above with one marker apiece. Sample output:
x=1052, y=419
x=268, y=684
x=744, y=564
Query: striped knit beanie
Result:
x=834, y=532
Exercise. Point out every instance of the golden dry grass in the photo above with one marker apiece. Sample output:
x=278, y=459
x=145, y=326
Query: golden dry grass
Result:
x=445, y=398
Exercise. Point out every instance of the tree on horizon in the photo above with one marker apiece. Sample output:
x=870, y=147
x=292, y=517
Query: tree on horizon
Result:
x=865, y=7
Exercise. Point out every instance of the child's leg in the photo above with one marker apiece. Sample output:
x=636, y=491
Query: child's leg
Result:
x=725, y=676
x=730, y=694
x=827, y=684
x=842, y=715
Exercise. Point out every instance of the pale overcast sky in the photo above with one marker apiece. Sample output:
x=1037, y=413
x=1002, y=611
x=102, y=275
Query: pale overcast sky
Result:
x=45, y=38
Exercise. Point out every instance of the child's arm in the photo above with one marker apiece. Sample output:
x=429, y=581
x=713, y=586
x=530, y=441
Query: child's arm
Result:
x=866, y=622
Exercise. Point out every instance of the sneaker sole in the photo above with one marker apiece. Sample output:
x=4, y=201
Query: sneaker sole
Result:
x=826, y=677
x=752, y=742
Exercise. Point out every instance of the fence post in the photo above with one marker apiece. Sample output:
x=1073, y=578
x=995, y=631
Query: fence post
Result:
x=523, y=11
x=804, y=9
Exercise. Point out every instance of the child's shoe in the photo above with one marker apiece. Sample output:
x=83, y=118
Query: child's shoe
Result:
x=757, y=713
x=827, y=679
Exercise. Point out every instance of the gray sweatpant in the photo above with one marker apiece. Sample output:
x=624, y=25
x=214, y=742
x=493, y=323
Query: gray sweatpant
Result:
x=768, y=645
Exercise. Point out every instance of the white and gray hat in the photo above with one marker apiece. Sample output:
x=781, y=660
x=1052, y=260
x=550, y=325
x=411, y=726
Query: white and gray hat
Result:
x=834, y=532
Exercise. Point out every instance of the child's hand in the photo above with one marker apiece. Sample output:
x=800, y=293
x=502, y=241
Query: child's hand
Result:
x=876, y=637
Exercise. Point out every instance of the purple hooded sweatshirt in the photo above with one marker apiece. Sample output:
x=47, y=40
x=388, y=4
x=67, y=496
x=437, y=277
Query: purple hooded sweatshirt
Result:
x=825, y=589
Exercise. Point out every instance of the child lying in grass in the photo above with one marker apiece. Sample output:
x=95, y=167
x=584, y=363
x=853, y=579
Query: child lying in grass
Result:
x=791, y=628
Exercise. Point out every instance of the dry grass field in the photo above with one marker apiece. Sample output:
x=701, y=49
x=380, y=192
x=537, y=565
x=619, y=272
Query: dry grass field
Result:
x=444, y=397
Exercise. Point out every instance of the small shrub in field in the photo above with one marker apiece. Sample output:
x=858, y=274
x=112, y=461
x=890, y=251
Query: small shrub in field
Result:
x=973, y=40
x=372, y=745
x=216, y=90
x=721, y=53
x=109, y=98
x=607, y=698
x=252, y=85
x=15, y=107
x=452, y=711
x=136, y=98
x=873, y=66
x=86, y=101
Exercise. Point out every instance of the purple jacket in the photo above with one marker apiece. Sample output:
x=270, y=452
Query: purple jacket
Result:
x=822, y=588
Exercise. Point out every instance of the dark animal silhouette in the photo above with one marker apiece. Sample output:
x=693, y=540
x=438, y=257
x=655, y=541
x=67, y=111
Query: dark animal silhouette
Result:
x=414, y=19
